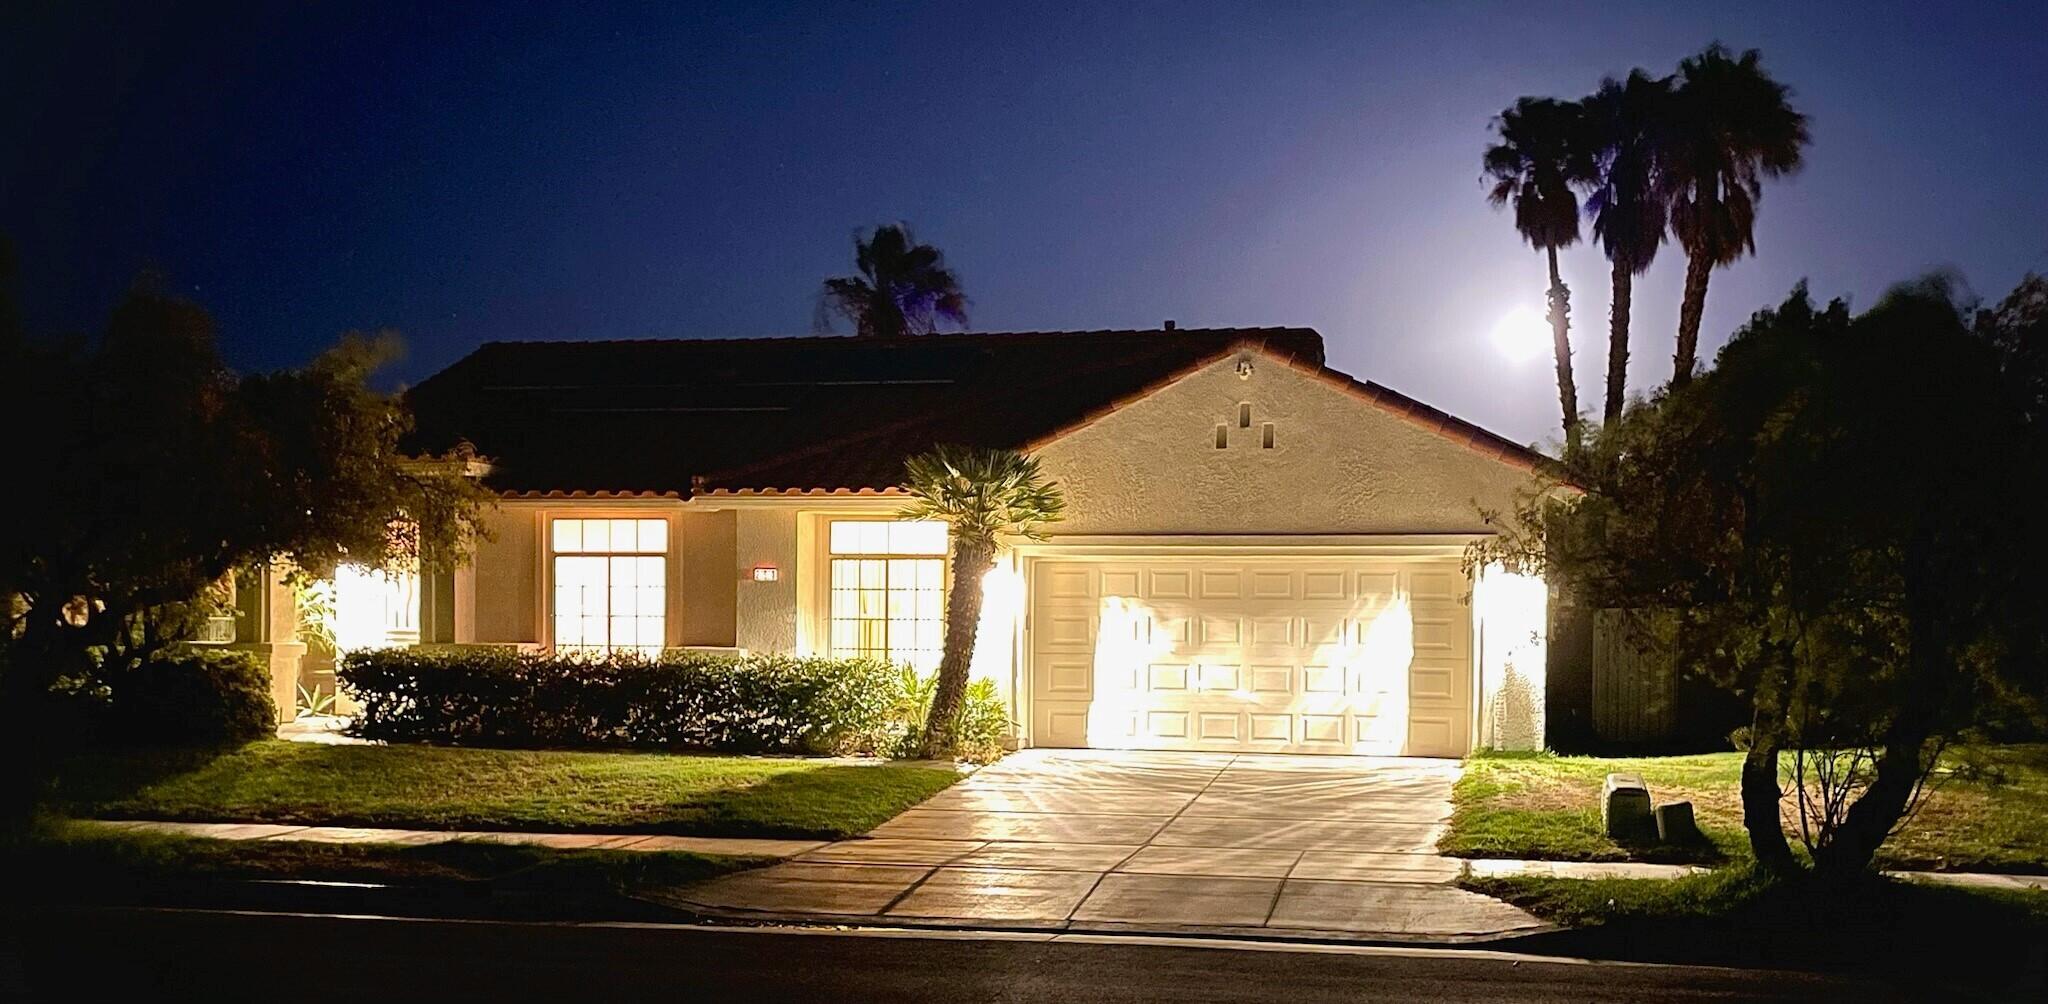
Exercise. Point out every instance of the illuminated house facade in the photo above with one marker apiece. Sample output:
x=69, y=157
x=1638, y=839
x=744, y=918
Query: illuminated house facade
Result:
x=1261, y=553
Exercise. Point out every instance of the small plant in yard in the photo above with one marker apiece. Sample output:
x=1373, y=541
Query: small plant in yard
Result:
x=982, y=495
x=984, y=721
x=313, y=701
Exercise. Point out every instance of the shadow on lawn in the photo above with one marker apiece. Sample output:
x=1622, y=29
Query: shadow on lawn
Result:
x=1940, y=937
x=829, y=802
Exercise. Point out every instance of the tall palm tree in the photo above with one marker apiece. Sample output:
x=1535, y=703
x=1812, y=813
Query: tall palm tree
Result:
x=1625, y=130
x=1732, y=128
x=981, y=494
x=1538, y=158
x=904, y=288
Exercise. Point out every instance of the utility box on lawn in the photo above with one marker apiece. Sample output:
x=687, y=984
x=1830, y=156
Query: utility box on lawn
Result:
x=1675, y=824
x=1625, y=809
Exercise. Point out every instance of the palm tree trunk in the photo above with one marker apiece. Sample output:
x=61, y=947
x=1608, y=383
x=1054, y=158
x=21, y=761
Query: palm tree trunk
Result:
x=1697, y=270
x=1561, y=346
x=972, y=559
x=1617, y=341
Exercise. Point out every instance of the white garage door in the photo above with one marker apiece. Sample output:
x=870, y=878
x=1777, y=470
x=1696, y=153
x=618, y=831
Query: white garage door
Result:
x=1300, y=655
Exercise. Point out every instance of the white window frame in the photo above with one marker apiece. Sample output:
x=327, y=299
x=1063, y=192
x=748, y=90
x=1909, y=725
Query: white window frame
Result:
x=892, y=561
x=656, y=557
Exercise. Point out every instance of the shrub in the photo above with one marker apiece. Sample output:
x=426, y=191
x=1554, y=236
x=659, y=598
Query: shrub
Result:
x=984, y=720
x=194, y=696
x=498, y=697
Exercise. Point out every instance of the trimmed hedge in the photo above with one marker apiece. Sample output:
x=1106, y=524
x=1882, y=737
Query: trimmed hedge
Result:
x=498, y=697
x=194, y=696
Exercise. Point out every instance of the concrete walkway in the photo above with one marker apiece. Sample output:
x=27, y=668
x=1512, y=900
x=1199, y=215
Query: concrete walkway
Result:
x=1322, y=846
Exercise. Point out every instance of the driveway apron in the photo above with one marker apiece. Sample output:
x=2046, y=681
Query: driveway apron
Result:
x=1110, y=840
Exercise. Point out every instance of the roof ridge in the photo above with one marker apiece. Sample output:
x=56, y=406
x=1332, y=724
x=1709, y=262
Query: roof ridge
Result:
x=904, y=339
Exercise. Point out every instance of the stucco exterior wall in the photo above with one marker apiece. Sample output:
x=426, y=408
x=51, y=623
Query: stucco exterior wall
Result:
x=765, y=613
x=706, y=576
x=497, y=593
x=1338, y=465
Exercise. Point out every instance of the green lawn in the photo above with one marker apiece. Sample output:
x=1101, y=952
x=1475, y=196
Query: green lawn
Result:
x=442, y=788
x=76, y=862
x=1547, y=807
x=1730, y=916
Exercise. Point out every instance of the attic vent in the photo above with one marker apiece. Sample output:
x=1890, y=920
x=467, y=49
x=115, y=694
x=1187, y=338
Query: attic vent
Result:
x=1266, y=436
x=1244, y=415
x=1223, y=437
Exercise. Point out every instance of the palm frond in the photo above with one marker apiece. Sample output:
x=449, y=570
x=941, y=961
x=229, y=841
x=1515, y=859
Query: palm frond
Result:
x=904, y=287
x=981, y=493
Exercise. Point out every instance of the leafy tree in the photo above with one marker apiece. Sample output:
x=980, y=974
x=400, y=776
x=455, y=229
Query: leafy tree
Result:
x=1627, y=130
x=153, y=473
x=1540, y=154
x=982, y=495
x=1831, y=523
x=904, y=288
x=1731, y=127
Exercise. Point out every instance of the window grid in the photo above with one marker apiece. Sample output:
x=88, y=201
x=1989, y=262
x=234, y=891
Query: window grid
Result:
x=889, y=602
x=611, y=586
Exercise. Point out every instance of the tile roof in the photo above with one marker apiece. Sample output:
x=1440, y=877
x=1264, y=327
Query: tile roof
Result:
x=609, y=418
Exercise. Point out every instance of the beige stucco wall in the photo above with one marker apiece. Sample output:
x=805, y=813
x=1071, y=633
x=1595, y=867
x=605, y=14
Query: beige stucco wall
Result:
x=497, y=592
x=706, y=577
x=765, y=613
x=1339, y=465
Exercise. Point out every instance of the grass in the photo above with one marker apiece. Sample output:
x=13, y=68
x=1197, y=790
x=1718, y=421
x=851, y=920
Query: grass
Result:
x=82, y=849
x=426, y=787
x=1985, y=816
x=1733, y=916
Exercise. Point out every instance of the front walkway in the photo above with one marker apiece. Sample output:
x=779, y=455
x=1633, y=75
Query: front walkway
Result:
x=1322, y=846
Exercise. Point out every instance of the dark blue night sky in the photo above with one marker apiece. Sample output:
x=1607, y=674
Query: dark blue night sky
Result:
x=465, y=173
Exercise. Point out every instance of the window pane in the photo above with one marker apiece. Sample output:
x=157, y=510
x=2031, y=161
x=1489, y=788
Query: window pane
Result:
x=917, y=537
x=845, y=539
x=654, y=536
x=568, y=535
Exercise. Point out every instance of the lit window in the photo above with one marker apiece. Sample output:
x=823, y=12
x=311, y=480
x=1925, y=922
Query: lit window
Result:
x=889, y=590
x=611, y=585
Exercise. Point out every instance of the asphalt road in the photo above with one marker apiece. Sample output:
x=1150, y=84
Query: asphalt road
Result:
x=177, y=955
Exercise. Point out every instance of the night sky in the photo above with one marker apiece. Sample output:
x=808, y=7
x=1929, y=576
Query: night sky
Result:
x=691, y=171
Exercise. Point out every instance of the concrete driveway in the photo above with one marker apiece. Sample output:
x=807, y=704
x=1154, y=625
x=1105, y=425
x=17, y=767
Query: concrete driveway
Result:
x=1327, y=846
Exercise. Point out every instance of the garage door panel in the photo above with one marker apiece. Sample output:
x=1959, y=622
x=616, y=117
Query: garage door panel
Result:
x=1220, y=678
x=1167, y=724
x=1225, y=727
x=1262, y=653
x=1071, y=629
x=1168, y=677
x=1071, y=583
x=1433, y=680
x=1272, y=728
x=1324, y=585
x=1272, y=680
x=1067, y=677
x=1173, y=584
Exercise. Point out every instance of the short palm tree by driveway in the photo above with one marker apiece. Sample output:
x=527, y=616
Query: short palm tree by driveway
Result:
x=982, y=495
